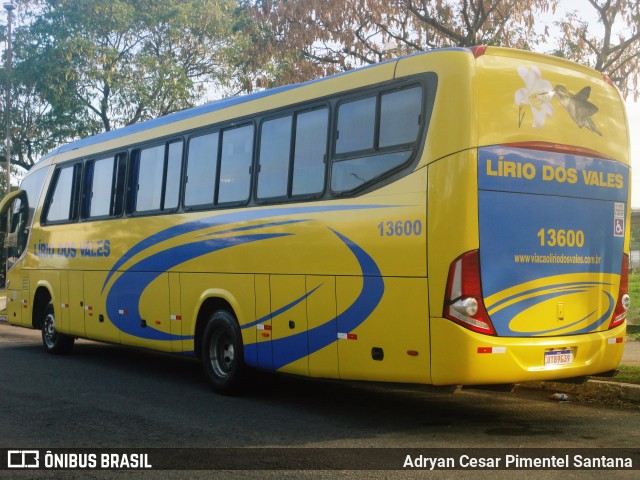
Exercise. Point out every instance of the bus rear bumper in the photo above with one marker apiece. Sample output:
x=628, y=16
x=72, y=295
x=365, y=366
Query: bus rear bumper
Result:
x=462, y=357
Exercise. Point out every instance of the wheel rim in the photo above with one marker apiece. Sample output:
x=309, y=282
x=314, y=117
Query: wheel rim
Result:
x=49, y=330
x=221, y=354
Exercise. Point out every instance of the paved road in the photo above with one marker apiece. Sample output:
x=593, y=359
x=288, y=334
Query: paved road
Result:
x=109, y=396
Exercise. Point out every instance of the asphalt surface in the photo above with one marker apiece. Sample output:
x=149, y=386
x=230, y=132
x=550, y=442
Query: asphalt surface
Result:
x=105, y=396
x=593, y=390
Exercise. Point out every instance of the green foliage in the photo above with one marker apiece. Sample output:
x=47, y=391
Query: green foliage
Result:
x=634, y=293
x=86, y=66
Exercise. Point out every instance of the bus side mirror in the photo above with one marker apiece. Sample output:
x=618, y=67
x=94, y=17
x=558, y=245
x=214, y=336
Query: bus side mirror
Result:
x=5, y=205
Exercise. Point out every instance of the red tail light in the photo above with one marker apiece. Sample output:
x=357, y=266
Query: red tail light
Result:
x=463, y=299
x=624, y=302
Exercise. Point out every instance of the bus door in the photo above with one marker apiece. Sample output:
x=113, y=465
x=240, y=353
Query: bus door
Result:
x=15, y=207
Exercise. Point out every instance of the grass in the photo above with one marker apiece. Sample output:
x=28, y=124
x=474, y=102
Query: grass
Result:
x=634, y=293
x=625, y=374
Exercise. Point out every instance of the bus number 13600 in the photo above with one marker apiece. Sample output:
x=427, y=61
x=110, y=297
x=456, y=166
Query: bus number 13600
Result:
x=400, y=228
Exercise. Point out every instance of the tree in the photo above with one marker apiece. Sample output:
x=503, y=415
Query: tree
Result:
x=616, y=54
x=295, y=40
x=301, y=39
x=87, y=66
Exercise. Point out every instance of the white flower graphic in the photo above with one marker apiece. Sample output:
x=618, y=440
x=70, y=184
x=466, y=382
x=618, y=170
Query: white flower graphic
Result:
x=536, y=93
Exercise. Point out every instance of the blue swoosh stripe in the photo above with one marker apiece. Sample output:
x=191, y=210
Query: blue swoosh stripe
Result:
x=126, y=292
x=254, y=227
x=540, y=289
x=228, y=218
x=280, y=310
x=295, y=347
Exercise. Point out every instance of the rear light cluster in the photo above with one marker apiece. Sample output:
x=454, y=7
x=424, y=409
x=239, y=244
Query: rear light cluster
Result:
x=624, y=301
x=463, y=299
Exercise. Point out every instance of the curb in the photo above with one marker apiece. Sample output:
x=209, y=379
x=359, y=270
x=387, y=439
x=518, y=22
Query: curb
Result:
x=599, y=390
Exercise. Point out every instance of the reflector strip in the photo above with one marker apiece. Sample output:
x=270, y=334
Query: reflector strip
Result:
x=492, y=349
x=613, y=341
x=123, y=312
x=64, y=305
x=88, y=308
x=262, y=326
x=347, y=336
x=176, y=317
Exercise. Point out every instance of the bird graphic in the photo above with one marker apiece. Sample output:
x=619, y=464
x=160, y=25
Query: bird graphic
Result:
x=578, y=106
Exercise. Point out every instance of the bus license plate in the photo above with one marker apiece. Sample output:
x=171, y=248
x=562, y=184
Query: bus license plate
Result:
x=558, y=357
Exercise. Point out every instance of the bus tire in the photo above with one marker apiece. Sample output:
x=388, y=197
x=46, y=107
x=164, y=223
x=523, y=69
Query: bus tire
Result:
x=222, y=354
x=54, y=342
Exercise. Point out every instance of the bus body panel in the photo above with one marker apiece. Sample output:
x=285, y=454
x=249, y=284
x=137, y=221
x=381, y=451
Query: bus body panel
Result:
x=321, y=310
x=14, y=308
x=527, y=97
x=463, y=357
x=453, y=218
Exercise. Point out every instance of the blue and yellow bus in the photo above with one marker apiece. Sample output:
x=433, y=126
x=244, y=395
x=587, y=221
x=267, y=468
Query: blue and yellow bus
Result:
x=455, y=217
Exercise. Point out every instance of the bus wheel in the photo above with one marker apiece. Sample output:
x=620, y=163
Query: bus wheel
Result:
x=222, y=354
x=55, y=343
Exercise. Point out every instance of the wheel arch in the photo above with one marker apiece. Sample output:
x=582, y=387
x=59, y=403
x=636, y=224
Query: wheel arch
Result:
x=211, y=301
x=41, y=299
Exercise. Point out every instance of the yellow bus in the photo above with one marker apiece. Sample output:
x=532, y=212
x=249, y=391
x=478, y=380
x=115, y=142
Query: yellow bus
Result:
x=454, y=217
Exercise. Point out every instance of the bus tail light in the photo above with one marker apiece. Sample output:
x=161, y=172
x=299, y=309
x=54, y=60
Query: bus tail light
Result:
x=463, y=298
x=624, y=301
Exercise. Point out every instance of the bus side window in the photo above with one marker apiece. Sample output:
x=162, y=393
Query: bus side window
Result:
x=286, y=172
x=99, y=178
x=202, y=167
x=400, y=117
x=173, y=169
x=375, y=136
x=356, y=123
x=235, y=165
x=312, y=131
x=155, y=178
x=104, y=182
x=119, y=181
x=275, y=152
x=63, y=199
x=147, y=192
